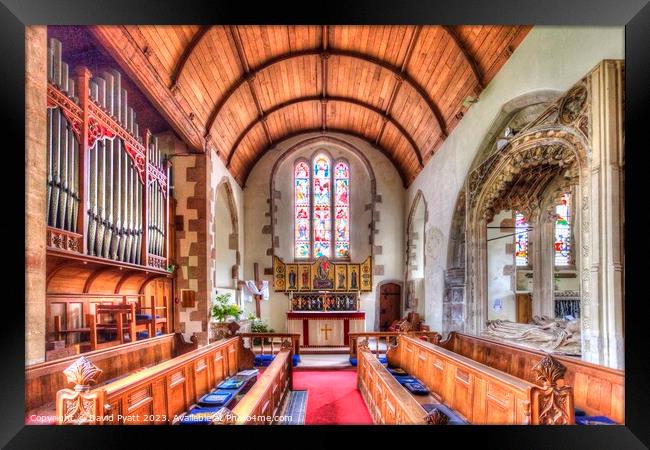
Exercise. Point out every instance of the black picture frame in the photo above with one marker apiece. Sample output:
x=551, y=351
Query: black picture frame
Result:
x=633, y=14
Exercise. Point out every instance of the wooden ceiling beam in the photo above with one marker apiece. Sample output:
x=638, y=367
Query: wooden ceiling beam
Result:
x=398, y=85
x=187, y=51
x=250, y=78
x=469, y=58
x=313, y=98
x=400, y=169
x=324, y=75
x=433, y=107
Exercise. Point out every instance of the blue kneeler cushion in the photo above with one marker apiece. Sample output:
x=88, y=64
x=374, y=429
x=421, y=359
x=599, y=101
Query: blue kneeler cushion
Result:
x=200, y=415
x=397, y=371
x=353, y=361
x=594, y=420
x=217, y=397
x=230, y=383
x=403, y=379
x=416, y=388
x=145, y=316
x=265, y=360
x=145, y=334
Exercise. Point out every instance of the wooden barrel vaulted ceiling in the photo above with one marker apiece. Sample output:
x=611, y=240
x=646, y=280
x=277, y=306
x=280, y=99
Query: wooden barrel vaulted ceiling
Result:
x=239, y=90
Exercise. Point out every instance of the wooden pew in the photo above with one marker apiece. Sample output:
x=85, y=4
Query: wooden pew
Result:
x=154, y=395
x=388, y=338
x=388, y=402
x=597, y=390
x=44, y=380
x=482, y=394
x=275, y=342
x=263, y=402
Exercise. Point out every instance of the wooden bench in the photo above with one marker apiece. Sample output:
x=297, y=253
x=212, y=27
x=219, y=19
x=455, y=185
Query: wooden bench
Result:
x=388, y=401
x=155, y=395
x=482, y=394
x=44, y=380
x=261, y=404
x=597, y=390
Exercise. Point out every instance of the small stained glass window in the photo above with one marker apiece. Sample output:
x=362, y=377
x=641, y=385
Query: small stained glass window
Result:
x=563, y=231
x=521, y=240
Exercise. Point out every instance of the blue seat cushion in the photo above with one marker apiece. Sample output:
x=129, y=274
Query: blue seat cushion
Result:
x=383, y=360
x=454, y=419
x=145, y=334
x=353, y=361
x=594, y=420
x=416, y=388
x=295, y=360
x=263, y=360
x=397, y=371
x=215, y=398
x=403, y=379
x=145, y=316
x=200, y=415
x=230, y=384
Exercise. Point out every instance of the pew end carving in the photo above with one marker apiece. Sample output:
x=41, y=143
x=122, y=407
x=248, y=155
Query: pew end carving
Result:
x=80, y=406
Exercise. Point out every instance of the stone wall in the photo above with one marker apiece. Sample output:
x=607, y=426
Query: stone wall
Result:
x=35, y=191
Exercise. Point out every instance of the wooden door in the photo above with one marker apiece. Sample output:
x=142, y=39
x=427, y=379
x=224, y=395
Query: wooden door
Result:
x=389, y=304
x=524, y=308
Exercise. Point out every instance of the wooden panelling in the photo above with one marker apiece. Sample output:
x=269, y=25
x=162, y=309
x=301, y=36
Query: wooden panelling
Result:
x=158, y=393
x=435, y=67
x=42, y=381
x=481, y=394
x=597, y=390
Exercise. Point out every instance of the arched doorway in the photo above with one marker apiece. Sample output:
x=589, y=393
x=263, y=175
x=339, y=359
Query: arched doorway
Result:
x=390, y=295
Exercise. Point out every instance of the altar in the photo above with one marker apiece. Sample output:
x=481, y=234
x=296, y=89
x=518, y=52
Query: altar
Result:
x=325, y=329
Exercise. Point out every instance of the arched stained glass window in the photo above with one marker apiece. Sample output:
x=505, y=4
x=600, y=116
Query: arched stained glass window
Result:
x=302, y=205
x=322, y=208
x=563, y=231
x=342, y=210
x=521, y=240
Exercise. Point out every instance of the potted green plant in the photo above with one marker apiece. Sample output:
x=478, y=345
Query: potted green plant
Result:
x=258, y=326
x=222, y=310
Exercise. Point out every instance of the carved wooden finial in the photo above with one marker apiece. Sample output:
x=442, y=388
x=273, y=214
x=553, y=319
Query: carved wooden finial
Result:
x=82, y=373
x=549, y=371
x=363, y=345
x=286, y=344
x=436, y=417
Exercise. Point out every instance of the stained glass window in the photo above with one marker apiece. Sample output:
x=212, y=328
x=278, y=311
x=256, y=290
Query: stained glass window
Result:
x=301, y=194
x=521, y=240
x=563, y=231
x=322, y=207
x=342, y=208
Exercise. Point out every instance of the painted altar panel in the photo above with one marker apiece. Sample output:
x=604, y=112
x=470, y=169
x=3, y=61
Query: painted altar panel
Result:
x=322, y=275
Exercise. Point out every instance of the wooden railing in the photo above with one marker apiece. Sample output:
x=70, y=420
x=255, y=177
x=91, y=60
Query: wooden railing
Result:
x=380, y=341
x=155, y=395
x=262, y=403
x=270, y=343
x=389, y=403
x=484, y=395
x=597, y=390
x=44, y=380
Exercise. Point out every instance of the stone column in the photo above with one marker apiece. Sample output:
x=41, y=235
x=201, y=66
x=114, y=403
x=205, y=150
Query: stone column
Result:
x=35, y=191
x=603, y=329
x=545, y=271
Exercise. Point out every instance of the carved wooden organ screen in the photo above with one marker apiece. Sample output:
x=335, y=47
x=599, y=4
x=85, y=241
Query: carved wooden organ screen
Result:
x=107, y=185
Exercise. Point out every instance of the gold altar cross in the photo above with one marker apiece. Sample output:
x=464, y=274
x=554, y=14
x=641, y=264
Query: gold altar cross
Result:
x=326, y=330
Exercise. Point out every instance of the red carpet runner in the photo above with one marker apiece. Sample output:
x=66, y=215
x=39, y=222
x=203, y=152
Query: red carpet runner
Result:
x=332, y=397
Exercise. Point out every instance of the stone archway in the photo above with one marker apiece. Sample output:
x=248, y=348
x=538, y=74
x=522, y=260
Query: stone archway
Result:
x=226, y=257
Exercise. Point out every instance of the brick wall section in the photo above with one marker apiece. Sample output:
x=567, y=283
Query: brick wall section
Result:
x=35, y=191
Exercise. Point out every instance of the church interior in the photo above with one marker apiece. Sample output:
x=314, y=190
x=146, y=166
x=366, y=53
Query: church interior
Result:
x=324, y=224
